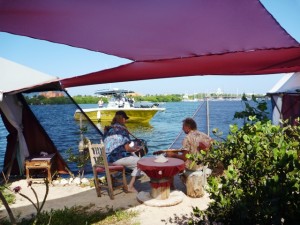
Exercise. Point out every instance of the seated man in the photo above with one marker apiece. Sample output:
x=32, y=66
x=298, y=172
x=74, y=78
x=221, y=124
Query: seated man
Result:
x=192, y=143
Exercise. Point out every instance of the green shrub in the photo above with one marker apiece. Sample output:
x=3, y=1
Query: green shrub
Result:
x=260, y=183
x=255, y=107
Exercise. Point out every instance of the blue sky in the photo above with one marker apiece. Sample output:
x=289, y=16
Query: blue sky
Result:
x=64, y=61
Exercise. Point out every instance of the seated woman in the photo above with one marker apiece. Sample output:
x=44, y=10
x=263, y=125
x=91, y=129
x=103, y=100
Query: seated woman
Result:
x=117, y=144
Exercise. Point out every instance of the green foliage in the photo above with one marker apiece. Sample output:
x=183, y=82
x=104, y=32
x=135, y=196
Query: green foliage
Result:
x=257, y=108
x=260, y=183
x=42, y=100
x=80, y=157
x=159, y=98
x=198, y=158
x=10, y=198
x=79, y=215
x=88, y=99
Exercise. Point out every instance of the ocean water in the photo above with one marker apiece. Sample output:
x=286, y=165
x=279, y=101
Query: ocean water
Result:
x=160, y=133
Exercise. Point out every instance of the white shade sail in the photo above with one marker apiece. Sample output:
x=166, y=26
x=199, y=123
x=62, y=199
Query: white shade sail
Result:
x=17, y=78
x=289, y=83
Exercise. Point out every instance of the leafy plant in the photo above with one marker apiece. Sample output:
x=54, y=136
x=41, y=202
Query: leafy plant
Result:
x=257, y=108
x=81, y=157
x=36, y=205
x=10, y=198
x=261, y=180
x=6, y=199
x=198, y=159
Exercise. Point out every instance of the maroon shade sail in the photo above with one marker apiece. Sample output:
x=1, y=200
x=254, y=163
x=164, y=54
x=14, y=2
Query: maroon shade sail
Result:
x=168, y=38
x=240, y=63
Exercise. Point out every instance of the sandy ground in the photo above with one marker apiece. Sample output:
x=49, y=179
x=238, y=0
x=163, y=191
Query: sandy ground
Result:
x=71, y=195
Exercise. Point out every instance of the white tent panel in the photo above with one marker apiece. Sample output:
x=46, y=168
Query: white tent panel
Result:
x=277, y=109
x=16, y=77
x=288, y=83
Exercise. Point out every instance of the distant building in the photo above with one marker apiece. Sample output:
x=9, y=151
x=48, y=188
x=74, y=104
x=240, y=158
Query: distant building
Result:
x=134, y=94
x=219, y=91
x=52, y=94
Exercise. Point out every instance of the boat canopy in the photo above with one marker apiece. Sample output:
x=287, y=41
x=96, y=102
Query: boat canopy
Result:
x=170, y=38
x=113, y=92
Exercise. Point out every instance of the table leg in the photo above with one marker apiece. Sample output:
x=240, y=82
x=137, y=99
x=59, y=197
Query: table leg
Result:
x=49, y=174
x=161, y=193
x=161, y=189
x=27, y=173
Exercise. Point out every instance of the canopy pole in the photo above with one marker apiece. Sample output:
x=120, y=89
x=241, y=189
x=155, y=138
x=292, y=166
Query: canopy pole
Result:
x=81, y=110
x=207, y=116
x=80, y=126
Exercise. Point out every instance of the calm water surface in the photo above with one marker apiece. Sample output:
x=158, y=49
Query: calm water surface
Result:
x=160, y=133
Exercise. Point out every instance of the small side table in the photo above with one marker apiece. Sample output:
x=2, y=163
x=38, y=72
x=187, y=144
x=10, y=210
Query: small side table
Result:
x=161, y=175
x=39, y=163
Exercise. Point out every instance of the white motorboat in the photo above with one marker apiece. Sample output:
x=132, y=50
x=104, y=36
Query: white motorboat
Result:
x=119, y=99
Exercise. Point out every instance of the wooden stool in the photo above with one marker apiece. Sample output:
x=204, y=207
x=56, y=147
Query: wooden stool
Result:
x=195, y=184
x=38, y=163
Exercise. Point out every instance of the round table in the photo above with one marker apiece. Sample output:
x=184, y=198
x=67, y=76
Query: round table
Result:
x=160, y=174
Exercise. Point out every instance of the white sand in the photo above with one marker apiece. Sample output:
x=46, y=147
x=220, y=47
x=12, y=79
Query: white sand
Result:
x=71, y=195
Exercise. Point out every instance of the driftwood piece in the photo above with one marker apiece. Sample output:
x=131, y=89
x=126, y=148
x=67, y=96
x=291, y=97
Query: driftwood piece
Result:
x=194, y=184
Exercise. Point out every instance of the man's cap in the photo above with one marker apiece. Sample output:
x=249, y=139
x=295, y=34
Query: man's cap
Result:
x=122, y=113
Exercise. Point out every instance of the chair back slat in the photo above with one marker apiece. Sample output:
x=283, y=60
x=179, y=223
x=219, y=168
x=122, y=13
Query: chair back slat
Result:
x=95, y=154
x=98, y=155
x=99, y=159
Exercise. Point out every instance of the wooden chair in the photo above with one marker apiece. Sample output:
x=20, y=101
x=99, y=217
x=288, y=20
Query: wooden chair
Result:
x=100, y=165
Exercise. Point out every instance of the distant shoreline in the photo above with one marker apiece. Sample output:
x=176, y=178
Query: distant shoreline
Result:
x=89, y=99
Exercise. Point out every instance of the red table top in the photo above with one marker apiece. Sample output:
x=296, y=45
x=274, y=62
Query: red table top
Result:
x=159, y=170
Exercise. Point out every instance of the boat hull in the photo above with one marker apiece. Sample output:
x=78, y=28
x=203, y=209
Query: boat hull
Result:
x=141, y=115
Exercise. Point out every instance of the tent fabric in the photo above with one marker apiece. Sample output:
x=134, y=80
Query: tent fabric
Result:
x=38, y=140
x=276, y=101
x=289, y=83
x=291, y=108
x=163, y=38
x=241, y=63
x=13, y=112
x=11, y=165
x=23, y=77
x=35, y=139
x=26, y=136
x=285, y=95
